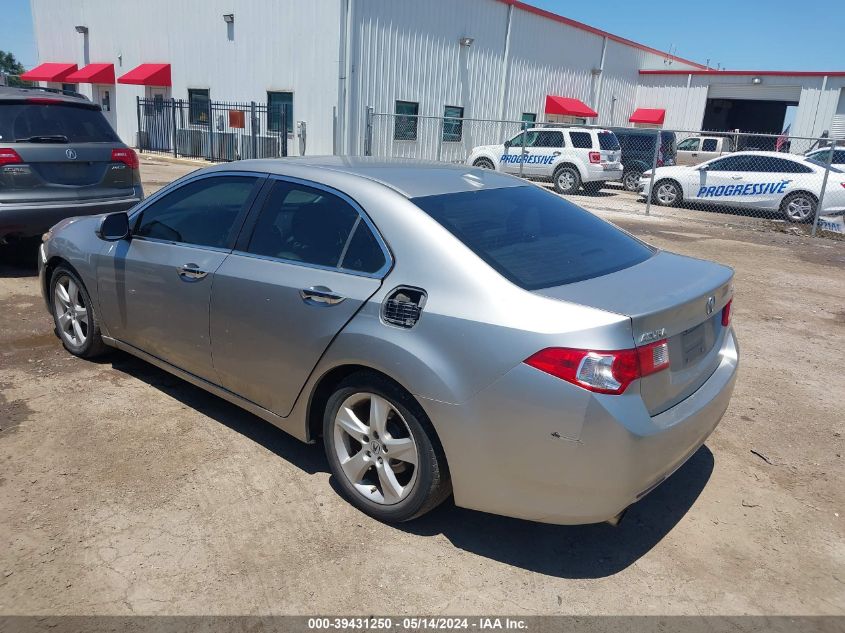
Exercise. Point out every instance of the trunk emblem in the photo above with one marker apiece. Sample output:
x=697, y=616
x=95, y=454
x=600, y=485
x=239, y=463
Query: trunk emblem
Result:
x=71, y=154
x=654, y=335
x=711, y=303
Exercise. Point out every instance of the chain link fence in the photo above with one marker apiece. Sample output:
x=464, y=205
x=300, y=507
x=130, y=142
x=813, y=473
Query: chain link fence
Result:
x=737, y=178
x=214, y=130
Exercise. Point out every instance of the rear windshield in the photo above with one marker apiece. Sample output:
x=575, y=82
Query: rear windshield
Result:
x=608, y=140
x=20, y=121
x=533, y=237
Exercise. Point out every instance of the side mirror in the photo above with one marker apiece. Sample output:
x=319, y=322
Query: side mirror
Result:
x=507, y=143
x=704, y=168
x=114, y=227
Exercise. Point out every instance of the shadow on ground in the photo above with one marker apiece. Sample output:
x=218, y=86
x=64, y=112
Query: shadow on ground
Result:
x=587, y=551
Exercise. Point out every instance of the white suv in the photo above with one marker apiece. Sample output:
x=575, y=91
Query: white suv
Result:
x=569, y=156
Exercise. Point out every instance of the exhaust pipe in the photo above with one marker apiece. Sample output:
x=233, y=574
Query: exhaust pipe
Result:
x=615, y=521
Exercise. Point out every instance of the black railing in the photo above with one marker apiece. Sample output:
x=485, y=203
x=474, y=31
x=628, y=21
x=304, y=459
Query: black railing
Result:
x=216, y=131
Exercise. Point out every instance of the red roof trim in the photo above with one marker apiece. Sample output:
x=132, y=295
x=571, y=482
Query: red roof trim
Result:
x=762, y=73
x=147, y=75
x=51, y=71
x=591, y=29
x=654, y=116
x=93, y=74
x=568, y=106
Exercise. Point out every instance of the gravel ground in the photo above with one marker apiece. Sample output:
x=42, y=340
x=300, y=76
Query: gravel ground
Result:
x=124, y=490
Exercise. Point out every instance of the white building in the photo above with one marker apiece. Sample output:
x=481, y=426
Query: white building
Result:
x=328, y=60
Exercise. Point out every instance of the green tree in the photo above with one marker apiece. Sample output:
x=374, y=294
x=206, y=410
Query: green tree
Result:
x=12, y=67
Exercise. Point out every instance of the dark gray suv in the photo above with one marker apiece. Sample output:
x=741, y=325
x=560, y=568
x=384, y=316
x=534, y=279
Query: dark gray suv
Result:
x=59, y=157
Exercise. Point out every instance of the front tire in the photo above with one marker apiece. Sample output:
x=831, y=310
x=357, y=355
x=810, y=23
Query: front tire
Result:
x=567, y=179
x=631, y=180
x=73, y=315
x=667, y=193
x=799, y=207
x=382, y=450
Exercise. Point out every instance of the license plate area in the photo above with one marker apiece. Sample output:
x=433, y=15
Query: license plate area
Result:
x=694, y=344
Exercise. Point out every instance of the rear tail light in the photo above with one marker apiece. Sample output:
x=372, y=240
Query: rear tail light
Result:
x=42, y=100
x=726, y=314
x=8, y=156
x=660, y=159
x=595, y=157
x=126, y=156
x=602, y=372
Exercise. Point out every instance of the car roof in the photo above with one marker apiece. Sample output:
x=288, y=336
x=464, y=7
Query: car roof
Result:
x=411, y=178
x=10, y=93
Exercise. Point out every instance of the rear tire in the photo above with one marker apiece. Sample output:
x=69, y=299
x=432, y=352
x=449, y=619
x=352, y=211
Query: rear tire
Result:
x=594, y=187
x=667, y=193
x=484, y=163
x=382, y=450
x=566, y=180
x=73, y=315
x=631, y=180
x=799, y=207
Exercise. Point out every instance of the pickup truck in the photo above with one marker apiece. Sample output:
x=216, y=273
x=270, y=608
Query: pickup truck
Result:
x=697, y=149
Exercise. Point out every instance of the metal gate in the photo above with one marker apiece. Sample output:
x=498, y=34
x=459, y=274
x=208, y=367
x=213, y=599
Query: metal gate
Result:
x=217, y=131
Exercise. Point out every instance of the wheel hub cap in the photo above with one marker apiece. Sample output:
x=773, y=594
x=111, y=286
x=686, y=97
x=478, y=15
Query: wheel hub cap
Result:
x=375, y=449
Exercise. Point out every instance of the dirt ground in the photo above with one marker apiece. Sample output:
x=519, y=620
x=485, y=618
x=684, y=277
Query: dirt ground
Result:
x=124, y=490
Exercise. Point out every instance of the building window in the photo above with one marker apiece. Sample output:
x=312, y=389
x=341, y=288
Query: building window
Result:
x=278, y=102
x=529, y=117
x=69, y=87
x=453, y=124
x=406, y=121
x=199, y=104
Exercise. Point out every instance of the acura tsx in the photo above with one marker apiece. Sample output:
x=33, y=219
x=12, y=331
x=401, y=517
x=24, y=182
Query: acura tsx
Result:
x=446, y=330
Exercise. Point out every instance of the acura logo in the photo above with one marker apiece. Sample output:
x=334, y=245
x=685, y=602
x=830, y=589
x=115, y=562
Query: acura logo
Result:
x=70, y=153
x=711, y=303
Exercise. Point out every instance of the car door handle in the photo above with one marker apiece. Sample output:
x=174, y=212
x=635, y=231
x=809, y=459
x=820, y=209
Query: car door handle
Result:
x=191, y=272
x=694, y=154
x=736, y=177
x=320, y=295
x=555, y=153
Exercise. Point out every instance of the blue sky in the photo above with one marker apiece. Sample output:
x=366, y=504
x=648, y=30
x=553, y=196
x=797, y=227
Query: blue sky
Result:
x=737, y=34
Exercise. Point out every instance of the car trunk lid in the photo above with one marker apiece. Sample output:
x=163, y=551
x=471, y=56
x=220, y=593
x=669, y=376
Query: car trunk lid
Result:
x=669, y=297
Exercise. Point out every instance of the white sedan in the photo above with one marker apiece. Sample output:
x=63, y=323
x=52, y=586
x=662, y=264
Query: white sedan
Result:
x=757, y=180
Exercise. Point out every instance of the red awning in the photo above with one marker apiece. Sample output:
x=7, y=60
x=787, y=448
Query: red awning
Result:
x=93, y=74
x=568, y=106
x=49, y=72
x=654, y=116
x=147, y=75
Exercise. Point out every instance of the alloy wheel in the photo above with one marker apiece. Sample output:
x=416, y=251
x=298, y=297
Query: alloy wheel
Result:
x=799, y=208
x=631, y=180
x=566, y=180
x=375, y=448
x=667, y=194
x=71, y=313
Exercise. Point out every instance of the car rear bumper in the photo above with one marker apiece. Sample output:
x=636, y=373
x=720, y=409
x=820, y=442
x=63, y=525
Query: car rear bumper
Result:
x=29, y=220
x=515, y=450
x=603, y=172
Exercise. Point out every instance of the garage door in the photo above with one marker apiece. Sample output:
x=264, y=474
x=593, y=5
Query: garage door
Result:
x=749, y=91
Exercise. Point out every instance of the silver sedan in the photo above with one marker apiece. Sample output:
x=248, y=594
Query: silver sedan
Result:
x=445, y=330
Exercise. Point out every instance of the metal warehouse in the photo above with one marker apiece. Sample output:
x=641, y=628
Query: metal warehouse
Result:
x=324, y=63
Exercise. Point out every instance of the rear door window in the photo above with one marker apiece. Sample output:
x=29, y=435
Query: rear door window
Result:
x=22, y=122
x=581, y=140
x=304, y=224
x=534, y=238
x=204, y=212
x=709, y=145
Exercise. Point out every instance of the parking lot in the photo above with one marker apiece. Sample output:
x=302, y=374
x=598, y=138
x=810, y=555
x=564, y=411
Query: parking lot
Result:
x=124, y=490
